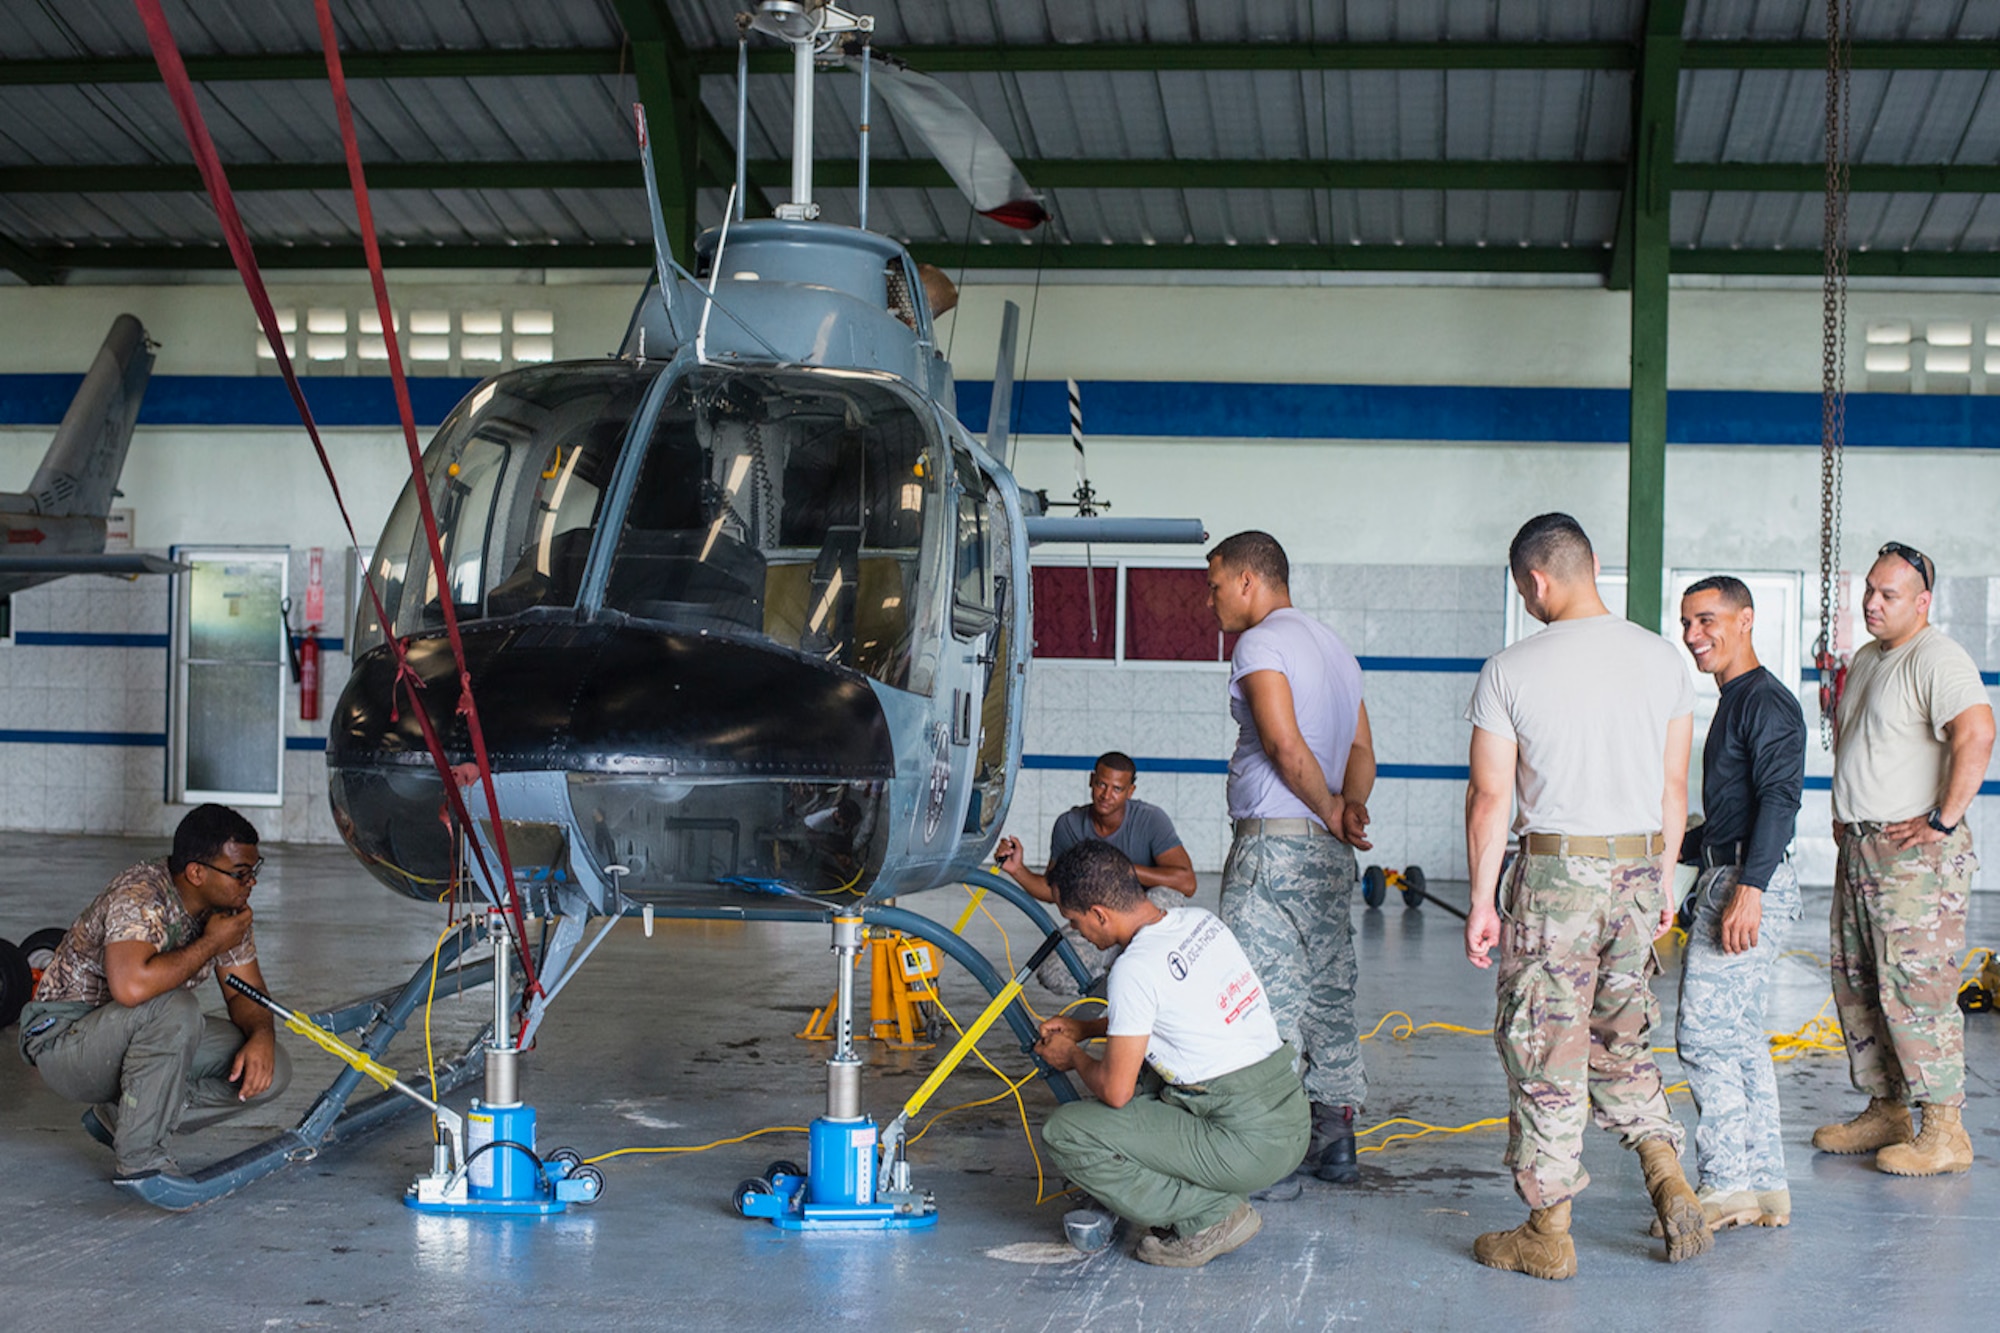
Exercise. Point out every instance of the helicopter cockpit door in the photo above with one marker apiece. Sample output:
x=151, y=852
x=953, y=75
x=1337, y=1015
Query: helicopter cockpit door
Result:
x=982, y=570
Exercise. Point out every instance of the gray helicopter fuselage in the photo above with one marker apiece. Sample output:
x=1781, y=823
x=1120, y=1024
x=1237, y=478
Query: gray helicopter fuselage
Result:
x=744, y=609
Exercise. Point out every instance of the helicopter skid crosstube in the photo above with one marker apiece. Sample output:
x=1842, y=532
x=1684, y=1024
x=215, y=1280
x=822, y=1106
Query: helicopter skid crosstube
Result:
x=331, y=1120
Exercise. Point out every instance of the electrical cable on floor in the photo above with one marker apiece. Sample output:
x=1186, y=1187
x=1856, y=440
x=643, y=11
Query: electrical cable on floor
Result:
x=1422, y=1130
x=1410, y=1027
x=699, y=1147
x=1013, y=1088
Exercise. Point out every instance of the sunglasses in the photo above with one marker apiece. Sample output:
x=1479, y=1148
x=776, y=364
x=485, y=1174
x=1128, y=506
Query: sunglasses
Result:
x=1917, y=559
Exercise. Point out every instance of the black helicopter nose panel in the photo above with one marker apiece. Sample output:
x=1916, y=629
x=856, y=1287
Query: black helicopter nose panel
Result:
x=622, y=700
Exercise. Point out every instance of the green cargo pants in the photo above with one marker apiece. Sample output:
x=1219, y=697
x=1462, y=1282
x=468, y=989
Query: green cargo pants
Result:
x=1185, y=1157
x=145, y=1066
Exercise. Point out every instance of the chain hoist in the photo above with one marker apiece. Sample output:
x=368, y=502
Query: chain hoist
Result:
x=1833, y=361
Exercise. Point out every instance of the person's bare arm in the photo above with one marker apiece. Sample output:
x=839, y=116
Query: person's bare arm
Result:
x=1111, y=1080
x=1172, y=869
x=1489, y=799
x=1970, y=736
x=257, y=1057
x=1674, y=809
x=1270, y=698
x=1008, y=857
x=136, y=972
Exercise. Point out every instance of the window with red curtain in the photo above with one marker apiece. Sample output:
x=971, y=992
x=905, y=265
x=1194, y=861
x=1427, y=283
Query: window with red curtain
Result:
x=1167, y=618
x=1062, y=612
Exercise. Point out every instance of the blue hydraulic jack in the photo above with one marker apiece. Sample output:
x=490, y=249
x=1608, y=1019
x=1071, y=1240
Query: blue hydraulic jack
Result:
x=485, y=1161
x=842, y=1188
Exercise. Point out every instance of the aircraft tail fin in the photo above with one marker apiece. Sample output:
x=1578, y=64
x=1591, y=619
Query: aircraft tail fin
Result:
x=1000, y=416
x=79, y=474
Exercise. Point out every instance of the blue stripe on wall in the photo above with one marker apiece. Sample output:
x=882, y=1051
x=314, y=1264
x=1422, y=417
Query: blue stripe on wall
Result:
x=1826, y=784
x=147, y=739
x=317, y=744
x=1467, y=666
x=33, y=638
x=1808, y=676
x=1175, y=409
x=242, y=400
x=1479, y=413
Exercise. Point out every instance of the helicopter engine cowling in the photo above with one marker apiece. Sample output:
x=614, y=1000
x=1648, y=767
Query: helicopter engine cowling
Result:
x=695, y=761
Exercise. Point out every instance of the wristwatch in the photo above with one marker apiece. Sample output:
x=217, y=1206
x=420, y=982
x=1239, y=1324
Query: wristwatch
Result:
x=1936, y=820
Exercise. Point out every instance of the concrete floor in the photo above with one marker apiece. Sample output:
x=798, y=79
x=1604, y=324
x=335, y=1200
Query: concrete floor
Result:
x=686, y=1038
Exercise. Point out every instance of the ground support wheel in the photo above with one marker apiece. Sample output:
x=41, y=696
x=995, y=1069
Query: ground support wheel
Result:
x=17, y=982
x=746, y=1190
x=1413, y=887
x=783, y=1167
x=1374, y=886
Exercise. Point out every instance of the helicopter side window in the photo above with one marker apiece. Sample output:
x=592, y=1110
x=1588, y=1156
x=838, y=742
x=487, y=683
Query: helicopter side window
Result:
x=517, y=477
x=788, y=507
x=973, y=610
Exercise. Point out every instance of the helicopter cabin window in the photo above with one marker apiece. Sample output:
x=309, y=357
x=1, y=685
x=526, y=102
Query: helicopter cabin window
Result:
x=973, y=610
x=517, y=479
x=784, y=506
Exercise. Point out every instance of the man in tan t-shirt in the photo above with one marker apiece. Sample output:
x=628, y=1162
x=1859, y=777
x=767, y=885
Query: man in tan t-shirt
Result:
x=1912, y=738
x=1587, y=724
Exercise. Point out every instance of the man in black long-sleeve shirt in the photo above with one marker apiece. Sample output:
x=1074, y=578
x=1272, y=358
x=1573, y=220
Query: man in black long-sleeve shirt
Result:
x=1752, y=769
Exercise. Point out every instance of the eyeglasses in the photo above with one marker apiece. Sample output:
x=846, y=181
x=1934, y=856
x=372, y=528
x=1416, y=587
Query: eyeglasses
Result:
x=247, y=875
x=1917, y=559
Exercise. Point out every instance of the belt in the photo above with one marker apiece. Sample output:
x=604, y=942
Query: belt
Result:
x=1723, y=854
x=1281, y=828
x=1624, y=847
x=1862, y=828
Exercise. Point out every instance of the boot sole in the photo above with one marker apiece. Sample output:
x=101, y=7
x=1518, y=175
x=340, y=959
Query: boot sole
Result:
x=1686, y=1228
x=1948, y=1169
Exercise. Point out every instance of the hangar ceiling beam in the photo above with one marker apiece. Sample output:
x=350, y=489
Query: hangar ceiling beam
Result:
x=1047, y=173
x=1174, y=56
x=972, y=59
x=1645, y=244
x=26, y=265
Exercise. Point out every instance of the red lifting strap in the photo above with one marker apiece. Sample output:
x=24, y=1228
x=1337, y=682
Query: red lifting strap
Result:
x=181, y=90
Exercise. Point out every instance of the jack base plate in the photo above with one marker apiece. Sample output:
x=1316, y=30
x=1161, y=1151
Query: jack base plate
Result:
x=489, y=1207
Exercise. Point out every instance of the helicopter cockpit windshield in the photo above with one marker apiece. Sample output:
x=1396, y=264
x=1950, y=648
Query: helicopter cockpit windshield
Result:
x=518, y=478
x=787, y=507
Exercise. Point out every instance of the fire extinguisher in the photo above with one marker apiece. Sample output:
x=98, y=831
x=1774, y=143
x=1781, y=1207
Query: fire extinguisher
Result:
x=309, y=675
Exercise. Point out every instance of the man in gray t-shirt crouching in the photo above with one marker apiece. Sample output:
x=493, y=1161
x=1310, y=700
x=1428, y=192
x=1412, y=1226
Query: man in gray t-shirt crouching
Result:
x=1141, y=830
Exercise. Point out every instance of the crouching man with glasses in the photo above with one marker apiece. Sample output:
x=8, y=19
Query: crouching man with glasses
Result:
x=115, y=1021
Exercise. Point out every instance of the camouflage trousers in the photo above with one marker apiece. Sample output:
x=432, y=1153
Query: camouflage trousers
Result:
x=1576, y=1015
x=1898, y=930
x=1720, y=1032
x=1289, y=902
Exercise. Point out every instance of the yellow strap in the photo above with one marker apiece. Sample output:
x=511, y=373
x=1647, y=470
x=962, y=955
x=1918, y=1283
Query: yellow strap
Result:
x=966, y=1042
x=971, y=906
x=340, y=1050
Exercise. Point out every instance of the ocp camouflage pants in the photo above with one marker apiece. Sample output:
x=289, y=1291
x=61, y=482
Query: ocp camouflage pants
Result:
x=1720, y=1031
x=1576, y=1015
x=1289, y=902
x=1898, y=929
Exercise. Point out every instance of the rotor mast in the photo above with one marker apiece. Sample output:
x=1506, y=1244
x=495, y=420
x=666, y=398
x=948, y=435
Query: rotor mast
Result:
x=811, y=29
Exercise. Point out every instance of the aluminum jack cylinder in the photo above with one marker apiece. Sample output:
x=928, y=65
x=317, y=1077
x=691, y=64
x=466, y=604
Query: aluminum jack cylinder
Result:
x=843, y=1071
x=503, y=1083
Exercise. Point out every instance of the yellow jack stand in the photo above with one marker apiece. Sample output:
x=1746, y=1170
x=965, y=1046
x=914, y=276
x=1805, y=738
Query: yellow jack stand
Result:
x=898, y=1015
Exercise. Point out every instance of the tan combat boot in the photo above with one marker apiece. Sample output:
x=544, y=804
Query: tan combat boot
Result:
x=1539, y=1247
x=1942, y=1146
x=1883, y=1123
x=1682, y=1220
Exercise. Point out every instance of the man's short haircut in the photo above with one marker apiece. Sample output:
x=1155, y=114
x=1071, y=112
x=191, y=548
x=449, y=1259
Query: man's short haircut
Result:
x=1117, y=761
x=1095, y=874
x=1732, y=590
x=203, y=832
x=1257, y=552
x=1553, y=543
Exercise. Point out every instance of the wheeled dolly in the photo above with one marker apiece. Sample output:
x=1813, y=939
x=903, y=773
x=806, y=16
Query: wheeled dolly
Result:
x=1377, y=881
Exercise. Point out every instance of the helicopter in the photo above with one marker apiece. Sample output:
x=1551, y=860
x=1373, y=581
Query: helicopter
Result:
x=57, y=526
x=746, y=612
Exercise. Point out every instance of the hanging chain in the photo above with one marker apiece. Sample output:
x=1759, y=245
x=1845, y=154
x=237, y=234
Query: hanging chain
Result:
x=1833, y=353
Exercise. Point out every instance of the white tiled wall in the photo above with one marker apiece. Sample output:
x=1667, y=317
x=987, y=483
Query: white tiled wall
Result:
x=120, y=788
x=1437, y=611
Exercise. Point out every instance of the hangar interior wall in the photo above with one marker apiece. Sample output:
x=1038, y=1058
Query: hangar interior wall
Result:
x=1398, y=543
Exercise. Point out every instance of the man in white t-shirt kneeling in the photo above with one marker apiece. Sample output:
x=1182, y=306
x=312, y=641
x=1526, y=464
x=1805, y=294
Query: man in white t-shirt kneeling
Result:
x=1197, y=1103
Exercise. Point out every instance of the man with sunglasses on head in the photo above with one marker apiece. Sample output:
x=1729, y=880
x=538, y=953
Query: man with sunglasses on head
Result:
x=115, y=1020
x=1912, y=735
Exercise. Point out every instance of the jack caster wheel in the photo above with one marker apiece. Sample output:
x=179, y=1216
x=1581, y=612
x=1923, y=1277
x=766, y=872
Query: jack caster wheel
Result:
x=596, y=1179
x=1413, y=886
x=740, y=1200
x=568, y=1157
x=783, y=1167
x=1374, y=886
